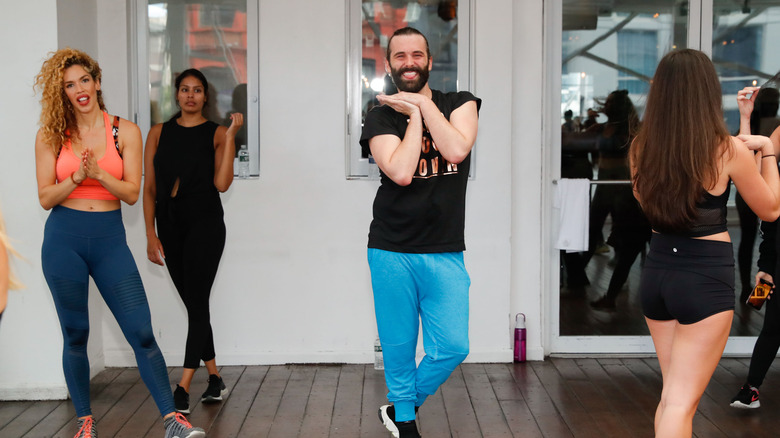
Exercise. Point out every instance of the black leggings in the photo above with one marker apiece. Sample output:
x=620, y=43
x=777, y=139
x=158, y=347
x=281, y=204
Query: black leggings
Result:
x=192, y=232
x=767, y=344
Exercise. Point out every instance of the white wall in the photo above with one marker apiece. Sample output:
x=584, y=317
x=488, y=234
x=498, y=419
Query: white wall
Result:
x=294, y=284
x=77, y=25
x=530, y=263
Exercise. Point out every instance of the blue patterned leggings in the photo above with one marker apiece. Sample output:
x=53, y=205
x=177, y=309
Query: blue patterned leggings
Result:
x=77, y=245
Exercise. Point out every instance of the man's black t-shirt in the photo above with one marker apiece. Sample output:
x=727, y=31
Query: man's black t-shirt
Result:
x=428, y=215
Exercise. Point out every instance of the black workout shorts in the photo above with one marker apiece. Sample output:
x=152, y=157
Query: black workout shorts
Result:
x=687, y=279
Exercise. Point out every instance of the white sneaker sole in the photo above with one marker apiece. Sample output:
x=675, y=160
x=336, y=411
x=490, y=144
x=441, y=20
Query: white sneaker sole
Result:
x=195, y=434
x=739, y=405
x=222, y=395
x=387, y=421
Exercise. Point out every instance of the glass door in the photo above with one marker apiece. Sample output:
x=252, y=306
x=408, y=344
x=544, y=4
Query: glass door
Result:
x=742, y=49
x=608, y=52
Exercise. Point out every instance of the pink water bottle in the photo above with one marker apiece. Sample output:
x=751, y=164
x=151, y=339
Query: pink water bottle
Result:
x=520, y=337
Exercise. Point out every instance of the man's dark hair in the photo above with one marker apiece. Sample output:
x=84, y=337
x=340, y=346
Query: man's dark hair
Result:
x=408, y=31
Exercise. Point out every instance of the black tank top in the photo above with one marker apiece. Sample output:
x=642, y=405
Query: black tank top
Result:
x=186, y=154
x=711, y=218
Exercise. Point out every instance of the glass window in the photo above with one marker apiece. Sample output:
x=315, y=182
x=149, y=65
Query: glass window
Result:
x=743, y=51
x=372, y=22
x=214, y=37
x=609, y=53
x=638, y=54
x=744, y=55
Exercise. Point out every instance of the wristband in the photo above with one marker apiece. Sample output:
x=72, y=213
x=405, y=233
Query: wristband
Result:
x=762, y=156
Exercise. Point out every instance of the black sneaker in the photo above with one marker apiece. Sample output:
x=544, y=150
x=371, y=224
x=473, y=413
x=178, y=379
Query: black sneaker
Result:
x=402, y=429
x=215, y=391
x=181, y=400
x=746, y=398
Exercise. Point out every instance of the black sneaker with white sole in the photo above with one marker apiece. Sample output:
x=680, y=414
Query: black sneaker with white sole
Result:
x=746, y=398
x=216, y=390
x=400, y=429
x=181, y=400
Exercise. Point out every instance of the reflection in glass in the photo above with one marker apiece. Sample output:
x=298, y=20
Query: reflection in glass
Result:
x=609, y=53
x=210, y=36
x=743, y=40
x=742, y=50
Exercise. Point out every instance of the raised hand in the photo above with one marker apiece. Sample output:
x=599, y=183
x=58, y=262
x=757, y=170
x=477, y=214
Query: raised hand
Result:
x=79, y=175
x=746, y=99
x=416, y=99
x=398, y=103
x=236, y=121
x=90, y=165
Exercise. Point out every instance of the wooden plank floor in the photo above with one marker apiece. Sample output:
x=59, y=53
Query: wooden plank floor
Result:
x=580, y=397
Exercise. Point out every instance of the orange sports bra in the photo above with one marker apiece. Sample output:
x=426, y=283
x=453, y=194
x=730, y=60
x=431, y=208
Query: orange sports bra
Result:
x=111, y=162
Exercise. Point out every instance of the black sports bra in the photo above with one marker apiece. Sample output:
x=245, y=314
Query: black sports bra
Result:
x=711, y=218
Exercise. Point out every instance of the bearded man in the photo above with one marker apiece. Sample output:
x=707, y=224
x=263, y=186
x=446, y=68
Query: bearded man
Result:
x=421, y=139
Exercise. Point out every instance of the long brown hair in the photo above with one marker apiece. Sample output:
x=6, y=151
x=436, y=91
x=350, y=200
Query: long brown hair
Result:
x=57, y=114
x=683, y=136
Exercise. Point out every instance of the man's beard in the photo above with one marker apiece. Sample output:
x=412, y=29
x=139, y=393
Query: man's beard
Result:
x=410, y=86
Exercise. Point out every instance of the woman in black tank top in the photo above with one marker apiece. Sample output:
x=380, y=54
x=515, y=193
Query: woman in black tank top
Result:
x=682, y=162
x=188, y=161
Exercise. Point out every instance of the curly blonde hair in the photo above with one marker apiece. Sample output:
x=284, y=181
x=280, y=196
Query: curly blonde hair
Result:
x=58, y=119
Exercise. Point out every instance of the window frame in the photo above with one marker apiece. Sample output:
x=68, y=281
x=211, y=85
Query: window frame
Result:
x=139, y=75
x=554, y=341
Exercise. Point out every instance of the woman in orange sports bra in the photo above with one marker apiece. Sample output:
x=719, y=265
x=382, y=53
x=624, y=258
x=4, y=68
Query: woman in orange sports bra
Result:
x=87, y=163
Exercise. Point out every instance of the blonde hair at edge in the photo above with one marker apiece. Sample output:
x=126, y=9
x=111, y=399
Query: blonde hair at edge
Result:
x=58, y=118
x=13, y=282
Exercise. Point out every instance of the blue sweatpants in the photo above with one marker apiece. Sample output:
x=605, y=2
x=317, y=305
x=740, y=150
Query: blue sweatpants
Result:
x=76, y=245
x=409, y=288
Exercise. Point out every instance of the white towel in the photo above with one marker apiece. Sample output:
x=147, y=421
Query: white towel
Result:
x=572, y=199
